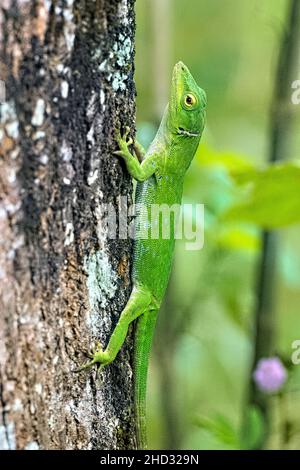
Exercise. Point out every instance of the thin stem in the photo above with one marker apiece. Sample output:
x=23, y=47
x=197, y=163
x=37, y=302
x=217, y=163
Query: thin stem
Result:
x=280, y=124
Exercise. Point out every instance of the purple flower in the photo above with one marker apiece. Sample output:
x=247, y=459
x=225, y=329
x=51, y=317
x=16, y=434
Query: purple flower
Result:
x=269, y=374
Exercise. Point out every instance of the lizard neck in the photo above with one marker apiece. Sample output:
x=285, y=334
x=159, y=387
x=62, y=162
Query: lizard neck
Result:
x=176, y=147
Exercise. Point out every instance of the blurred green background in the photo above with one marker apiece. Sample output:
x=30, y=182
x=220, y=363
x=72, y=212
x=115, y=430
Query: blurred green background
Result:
x=201, y=362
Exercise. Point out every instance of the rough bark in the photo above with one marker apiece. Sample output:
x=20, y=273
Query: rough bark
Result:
x=68, y=69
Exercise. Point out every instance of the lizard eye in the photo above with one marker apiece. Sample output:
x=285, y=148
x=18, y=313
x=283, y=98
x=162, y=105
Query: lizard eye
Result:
x=189, y=101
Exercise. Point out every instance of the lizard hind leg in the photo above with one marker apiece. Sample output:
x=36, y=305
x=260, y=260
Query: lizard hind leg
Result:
x=97, y=357
x=138, y=303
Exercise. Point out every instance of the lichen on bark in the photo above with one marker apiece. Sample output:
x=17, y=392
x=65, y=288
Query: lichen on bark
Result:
x=68, y=70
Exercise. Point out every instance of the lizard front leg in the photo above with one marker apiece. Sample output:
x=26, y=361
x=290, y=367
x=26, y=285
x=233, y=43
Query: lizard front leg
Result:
x=139, y=171
x=139, y=151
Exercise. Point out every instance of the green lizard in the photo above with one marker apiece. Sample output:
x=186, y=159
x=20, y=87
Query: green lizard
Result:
x=160, y=178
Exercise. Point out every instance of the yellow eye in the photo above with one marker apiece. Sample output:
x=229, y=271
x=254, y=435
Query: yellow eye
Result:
x=189, y=101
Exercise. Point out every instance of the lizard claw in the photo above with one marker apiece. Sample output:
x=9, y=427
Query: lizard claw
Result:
x=84, y=366
x=126, y=133
x=129, y=141
x=123, y=140
x=96, y=348
x=97, y=356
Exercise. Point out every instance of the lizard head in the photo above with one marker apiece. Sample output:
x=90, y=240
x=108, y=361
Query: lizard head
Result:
x=187, y=105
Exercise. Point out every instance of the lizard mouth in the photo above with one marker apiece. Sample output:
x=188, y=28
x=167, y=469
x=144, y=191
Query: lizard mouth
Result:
x=184, y=132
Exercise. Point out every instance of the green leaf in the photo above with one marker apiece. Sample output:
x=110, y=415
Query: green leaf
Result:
x=221, y=428
x=238, y=237
x=254, y=429
x=273, y=197
x=232, y=162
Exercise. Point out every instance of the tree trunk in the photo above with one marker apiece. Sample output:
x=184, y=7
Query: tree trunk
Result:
x=68, y=70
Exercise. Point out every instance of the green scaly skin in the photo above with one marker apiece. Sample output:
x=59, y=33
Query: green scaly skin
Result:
x=160, y=177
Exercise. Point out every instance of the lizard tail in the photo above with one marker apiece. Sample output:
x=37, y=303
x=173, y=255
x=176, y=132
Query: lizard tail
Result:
x=143, y=341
